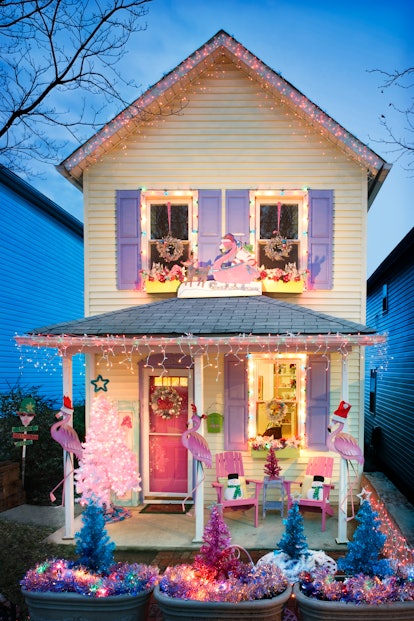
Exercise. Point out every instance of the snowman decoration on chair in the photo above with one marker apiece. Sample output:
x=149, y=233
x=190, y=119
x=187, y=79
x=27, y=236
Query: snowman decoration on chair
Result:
x=316, y=490
x=233, y=489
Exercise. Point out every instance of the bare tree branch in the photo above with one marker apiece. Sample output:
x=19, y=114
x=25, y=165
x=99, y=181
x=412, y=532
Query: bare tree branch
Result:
x=401, y=146
x=59, y=71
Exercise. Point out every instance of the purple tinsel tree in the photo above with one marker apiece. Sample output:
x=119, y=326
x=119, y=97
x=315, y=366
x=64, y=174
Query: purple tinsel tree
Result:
x=216, y=558
x=271, y=467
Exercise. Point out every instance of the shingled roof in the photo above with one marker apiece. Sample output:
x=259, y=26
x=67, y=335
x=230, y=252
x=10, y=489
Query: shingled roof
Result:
x=255, y=315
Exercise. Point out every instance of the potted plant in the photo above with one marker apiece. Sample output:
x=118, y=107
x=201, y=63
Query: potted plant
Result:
x=288, y=280
x=293, y=555
x=370, y=587
x=161, y=279
x=286, y=448
x=93, y=588
x=219, y=585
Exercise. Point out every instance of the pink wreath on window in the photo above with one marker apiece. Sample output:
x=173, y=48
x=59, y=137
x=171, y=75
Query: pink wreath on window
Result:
x=166, y=402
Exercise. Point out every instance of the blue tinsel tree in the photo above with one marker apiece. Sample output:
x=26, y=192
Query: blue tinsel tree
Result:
x=294, y=542
x=93, y=545
x=363, y=556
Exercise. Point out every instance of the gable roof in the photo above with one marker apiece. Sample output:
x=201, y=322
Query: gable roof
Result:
x=189, y=70
x=251, y=319
x=39, y=201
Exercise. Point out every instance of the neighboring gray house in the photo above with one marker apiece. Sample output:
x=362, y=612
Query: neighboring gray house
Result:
x=389, y=394
x=41, y=281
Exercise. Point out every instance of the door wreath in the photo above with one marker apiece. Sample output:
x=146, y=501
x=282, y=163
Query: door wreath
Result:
x=166, y=402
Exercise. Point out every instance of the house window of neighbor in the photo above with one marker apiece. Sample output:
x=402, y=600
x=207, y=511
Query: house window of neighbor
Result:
x=279, y=219
x=168, y=233
x=385, y=298
x=373, y=392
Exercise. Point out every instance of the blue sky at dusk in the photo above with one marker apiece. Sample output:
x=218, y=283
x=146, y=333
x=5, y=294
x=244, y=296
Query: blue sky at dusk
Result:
x=327, y=50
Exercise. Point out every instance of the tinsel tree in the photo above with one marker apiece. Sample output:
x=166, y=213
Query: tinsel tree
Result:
x=365, y=549
x=271, y=467
x=107, y=465
x=93, y=545
x=216, y=559
x=294, y=542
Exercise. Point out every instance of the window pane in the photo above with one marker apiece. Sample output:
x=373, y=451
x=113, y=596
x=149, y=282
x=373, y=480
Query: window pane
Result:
x=288, y=220
x=179, y=221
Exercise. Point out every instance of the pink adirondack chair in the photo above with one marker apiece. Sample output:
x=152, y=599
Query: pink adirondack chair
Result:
x=314, y=495
x=231, y=462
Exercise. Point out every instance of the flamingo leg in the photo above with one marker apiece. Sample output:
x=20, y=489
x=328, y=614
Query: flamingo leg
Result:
x=51, y=494
x=350, y=488
x=194, y=490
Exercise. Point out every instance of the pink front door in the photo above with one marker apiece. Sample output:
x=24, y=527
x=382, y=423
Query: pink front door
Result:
x=168, y=416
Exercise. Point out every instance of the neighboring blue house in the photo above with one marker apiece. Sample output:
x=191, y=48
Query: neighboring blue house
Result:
x=389, y=394
x=41, y=267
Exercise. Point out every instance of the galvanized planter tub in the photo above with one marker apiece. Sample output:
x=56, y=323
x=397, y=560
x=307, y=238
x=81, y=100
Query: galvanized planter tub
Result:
x=255, y=610
x=49, y=606
x=317, y=610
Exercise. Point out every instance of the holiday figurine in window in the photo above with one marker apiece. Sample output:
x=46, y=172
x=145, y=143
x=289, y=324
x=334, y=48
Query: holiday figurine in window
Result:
x=271, y=467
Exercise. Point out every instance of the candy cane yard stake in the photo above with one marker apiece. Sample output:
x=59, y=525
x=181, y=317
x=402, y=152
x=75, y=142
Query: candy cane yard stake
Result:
x=26, y=413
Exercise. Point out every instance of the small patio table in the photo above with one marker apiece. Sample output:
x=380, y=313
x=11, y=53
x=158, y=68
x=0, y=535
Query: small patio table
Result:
x=273, y=504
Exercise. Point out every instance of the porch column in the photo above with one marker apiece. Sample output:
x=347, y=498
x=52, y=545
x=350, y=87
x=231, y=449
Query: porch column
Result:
x=199, y=483
x=343, y=478
x=68, y=491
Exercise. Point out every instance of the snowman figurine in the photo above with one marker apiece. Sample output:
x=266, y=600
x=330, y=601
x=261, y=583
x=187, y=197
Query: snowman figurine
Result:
x=233, y=489
x=316, y=490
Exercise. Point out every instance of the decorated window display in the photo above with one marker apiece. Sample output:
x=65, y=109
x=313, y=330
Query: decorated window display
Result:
x=169, y=239
x=279, y=232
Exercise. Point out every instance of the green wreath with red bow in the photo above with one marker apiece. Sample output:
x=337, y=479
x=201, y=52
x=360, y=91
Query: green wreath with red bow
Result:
x=166, y=402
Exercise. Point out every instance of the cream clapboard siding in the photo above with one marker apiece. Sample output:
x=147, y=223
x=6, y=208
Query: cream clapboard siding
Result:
x=231, y=135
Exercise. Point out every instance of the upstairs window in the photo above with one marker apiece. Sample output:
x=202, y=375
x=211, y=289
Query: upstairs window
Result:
x=168, y=221
x=166, y=218
x=279, y=222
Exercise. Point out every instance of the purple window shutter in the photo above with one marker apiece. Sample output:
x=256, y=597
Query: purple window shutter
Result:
x=128, y=232
x=317, y=406
x=320, y=239
x=237, y=214
x=209, y=225
x=235, y=404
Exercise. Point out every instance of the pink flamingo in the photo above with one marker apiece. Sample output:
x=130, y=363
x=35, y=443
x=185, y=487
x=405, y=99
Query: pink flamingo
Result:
x=345, y=444
x=197, y=445
x=67, y=437
x=242, y=273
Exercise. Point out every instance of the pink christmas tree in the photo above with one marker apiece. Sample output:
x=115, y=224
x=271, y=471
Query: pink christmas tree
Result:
x=108, y=465
x=271, y=467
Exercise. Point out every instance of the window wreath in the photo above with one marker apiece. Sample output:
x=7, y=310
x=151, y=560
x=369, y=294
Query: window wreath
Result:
x=166, y=402
x=276, y=411
x=277, y=247
x=170, y=248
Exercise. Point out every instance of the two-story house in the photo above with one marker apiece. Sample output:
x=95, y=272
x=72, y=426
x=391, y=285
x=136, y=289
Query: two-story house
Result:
x=223, y=152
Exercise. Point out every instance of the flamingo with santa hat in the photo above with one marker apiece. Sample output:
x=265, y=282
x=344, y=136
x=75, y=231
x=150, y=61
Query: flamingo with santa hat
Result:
x=343, y=443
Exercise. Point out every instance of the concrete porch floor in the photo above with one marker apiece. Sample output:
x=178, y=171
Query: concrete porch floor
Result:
x=143, y=531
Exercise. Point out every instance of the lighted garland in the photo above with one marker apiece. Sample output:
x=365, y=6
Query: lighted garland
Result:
x=276, y=411
x=277, y=247
x=170, y=248
x=166, y=402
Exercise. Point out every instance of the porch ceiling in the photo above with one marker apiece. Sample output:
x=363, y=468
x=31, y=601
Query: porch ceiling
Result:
x=252, y=317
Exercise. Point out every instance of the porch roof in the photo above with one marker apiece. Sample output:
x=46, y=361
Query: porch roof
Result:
x=246, y=319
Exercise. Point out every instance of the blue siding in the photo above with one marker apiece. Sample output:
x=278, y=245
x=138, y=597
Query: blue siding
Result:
x=393, y=439
x=41, y=283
